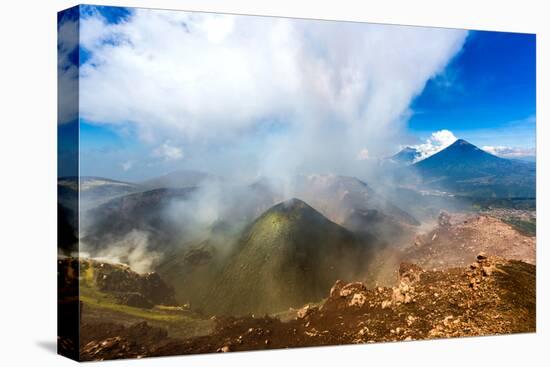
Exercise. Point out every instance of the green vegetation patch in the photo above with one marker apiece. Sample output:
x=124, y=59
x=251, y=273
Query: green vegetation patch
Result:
x=94, y=298
x=484, y=203
x=526, y=227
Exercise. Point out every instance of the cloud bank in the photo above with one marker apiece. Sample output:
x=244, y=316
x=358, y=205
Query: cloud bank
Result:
x=509, y=152
x=437, y=141
x=168, y=152
x=289, y=92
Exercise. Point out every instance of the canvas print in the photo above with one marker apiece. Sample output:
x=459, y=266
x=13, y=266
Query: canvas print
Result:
x=231, y=183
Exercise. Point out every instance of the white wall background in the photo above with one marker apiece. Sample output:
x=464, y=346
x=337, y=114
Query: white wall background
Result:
x=28, y=181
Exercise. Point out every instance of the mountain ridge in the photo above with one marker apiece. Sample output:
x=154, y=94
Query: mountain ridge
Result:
x=407, y=155
x=466, y=169
x=286, y=257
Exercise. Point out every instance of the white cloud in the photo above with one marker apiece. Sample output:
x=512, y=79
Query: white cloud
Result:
x=196, y=78
x=363, y=154
x=509, y=152
x=168, y=152
x=126, y=166
x=438, y=141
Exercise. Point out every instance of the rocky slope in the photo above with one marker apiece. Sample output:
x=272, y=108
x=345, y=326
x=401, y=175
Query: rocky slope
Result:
x=490, y=296
x=118, y=280
x=457, y=238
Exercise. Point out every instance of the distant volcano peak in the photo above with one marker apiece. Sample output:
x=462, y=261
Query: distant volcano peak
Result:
x=460, y=152
x=294, y=211
x=463, y=143
x=407, y=155
x=290, y=250
x=294, y=203
x=463, y=167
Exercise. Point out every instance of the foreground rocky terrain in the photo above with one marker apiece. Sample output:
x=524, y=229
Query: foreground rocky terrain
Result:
x=468, y=275
x=489, y=296
x=457, y=238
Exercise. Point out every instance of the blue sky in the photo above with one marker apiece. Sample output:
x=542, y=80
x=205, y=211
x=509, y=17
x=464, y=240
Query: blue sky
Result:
x=487, y=94
x=165, y=90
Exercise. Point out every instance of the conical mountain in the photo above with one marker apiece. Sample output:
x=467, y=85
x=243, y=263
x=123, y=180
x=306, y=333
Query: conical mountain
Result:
x=464, y=168
x=407, y=155
x=462, y=157
x=287, y=257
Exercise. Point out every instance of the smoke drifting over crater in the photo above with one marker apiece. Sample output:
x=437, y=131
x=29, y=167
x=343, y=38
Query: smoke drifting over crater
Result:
x=257, y=103
x=254, y=96
x=132, y=250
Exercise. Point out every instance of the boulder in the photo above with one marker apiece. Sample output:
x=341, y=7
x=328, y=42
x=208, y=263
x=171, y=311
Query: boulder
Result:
x=409, y=273
x=358, y=299
x=304, y=311
x=335, y=290
x=444, y=219
x=482, y=256
x=352, y=288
